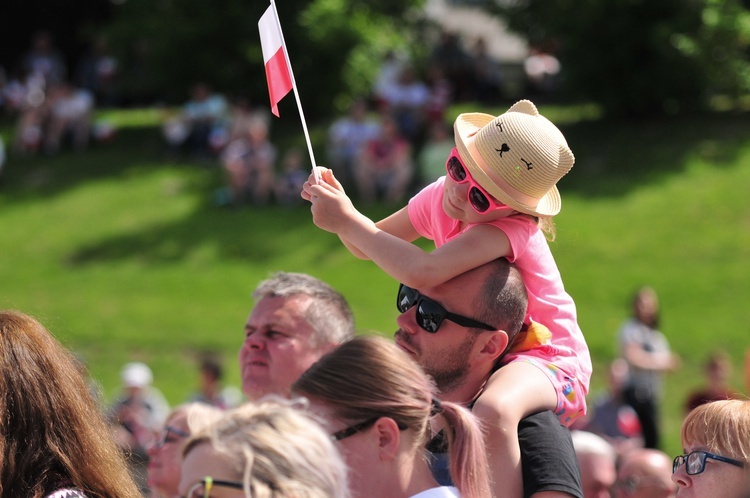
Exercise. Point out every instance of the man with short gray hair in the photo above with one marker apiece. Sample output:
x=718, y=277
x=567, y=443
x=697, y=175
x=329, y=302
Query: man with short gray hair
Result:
x=297, y=318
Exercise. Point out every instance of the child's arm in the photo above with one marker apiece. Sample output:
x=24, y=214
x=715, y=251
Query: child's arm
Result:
x=333, y=211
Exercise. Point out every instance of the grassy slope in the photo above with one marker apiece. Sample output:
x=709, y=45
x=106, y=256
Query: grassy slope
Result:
x=121, y=254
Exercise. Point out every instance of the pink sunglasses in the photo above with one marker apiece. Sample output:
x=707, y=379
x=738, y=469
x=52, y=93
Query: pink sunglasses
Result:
x=479, y=199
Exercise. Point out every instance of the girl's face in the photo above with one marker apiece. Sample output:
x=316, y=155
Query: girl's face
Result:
x=456, y=204
x=717, y=479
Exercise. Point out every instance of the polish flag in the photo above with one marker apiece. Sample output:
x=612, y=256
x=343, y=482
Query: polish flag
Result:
x=277, y=71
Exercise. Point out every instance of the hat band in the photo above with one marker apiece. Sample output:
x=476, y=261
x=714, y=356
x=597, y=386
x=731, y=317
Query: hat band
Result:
x=515, y=194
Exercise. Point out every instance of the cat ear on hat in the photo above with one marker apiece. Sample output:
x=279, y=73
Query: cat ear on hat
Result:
x=567, y=159
x=524, y=107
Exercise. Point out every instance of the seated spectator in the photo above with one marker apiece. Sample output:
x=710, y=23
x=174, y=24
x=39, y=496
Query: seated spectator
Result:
x=290, y=179
x=98, y=72
x=165, y=456
x=406, y=101
x=385, y=166
x=597, y=459
x=435, y=152
x=717, y=370
x=717, y=451
x=248, y=163
x=70, y=114
x=211, y=391
x=138, y=414
x=32, y=105
x=267, y=449
x=347, y=136
x=44, y=59
x=380, y=406
x=205, y=114
x=611, y=417
x=55, y=442
x=644, y=473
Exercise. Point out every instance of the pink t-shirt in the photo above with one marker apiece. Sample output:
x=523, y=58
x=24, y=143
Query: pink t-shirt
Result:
x=549, y=304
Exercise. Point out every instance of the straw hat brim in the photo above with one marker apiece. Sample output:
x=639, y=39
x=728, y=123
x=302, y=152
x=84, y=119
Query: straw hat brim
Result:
x=465, y=128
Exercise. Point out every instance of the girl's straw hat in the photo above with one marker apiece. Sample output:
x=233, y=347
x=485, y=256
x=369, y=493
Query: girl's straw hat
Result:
x=517, y=157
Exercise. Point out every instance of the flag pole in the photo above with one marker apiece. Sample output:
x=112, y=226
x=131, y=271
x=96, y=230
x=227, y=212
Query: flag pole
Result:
x=296, y=94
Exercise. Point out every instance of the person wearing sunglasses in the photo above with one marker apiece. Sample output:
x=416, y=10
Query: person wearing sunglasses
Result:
x=271, y=449
x=165, y=456
x=497, y=199
x=716, y=440
x=380, y=408
x=644, y=473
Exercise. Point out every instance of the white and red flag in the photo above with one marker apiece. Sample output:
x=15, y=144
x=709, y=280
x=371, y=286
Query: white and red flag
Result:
x=278, y=75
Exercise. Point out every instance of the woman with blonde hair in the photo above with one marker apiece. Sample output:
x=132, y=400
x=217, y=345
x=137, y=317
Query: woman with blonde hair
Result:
x=271, y=449
x=54, y=441
x=165, y=457
x=716, y=441
x=382, y=409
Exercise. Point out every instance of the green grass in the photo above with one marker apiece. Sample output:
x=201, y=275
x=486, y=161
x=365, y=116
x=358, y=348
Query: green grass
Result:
x=120, y=252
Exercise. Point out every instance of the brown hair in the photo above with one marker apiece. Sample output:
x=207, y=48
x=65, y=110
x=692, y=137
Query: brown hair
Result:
x=52, y=433
x=723, y=427
x=371, y=377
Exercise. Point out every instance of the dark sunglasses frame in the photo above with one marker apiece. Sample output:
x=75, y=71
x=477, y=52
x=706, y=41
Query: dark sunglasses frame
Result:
x=479, y=199
x=430, y=320
x=353, y=429
x=209, y=482
x=702, y=457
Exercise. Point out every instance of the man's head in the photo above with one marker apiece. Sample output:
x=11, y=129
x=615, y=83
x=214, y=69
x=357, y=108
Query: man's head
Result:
x=296, y=319
x=596, y=458
x=645, y=473
x=458, y=356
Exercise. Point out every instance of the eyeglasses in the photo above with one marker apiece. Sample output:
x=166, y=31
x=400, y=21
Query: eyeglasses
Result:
x=479, y=199
x=352, y=430
x=202, y=489
x=430, y=315
x=696, y=462
x=168, y=438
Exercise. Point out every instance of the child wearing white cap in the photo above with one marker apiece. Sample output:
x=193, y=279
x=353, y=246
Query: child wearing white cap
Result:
x=497, y=200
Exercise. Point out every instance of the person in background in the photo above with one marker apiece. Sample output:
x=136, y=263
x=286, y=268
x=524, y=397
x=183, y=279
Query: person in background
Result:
x=290, y=179
x=296, y=319
x=380, y=406
x=54, y=441
x=611, y=417
x=644, y=473
x=165, y=456
x=138, y=414
x=268, y=449
x=248, y=163
x=211, y=391
x=648, y=355
x=717, y=370
x=717, y=451
x=597, y=459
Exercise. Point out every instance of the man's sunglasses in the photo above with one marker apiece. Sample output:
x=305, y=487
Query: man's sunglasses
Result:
x=430, y=315
x=695, y=462
x=479, y=199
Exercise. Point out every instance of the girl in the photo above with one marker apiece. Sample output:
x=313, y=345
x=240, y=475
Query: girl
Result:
x=497, y=200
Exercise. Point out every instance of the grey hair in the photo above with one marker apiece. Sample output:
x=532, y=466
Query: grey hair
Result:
x=328, y=314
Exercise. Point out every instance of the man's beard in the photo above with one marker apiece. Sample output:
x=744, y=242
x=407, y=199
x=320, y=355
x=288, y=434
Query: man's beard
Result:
x=447, y=367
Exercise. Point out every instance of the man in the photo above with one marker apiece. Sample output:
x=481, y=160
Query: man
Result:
x=645, y=473
x=461, y=360
x=597, y=459
x=296, y=319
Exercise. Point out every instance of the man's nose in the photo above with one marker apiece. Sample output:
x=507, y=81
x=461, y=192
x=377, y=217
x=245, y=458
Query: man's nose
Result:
x=406, y=321
x=254, y=341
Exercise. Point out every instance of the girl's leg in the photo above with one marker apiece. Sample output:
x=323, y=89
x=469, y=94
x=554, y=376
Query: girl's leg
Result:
x=515, y=391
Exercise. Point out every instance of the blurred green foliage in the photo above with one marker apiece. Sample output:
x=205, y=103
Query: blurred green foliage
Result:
x=643, y=57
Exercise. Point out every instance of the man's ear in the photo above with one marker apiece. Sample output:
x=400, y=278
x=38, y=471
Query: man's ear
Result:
x=494, y=344
x=388, y=437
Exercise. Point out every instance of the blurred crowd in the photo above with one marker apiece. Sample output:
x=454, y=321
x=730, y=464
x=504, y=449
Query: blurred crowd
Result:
x=386, y=145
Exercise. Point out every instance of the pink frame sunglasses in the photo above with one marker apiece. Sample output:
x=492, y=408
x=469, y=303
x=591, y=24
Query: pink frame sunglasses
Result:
x=479, y=199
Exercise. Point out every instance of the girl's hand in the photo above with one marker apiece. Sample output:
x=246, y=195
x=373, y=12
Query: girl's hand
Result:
x=332, y=209
x=326, y=176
